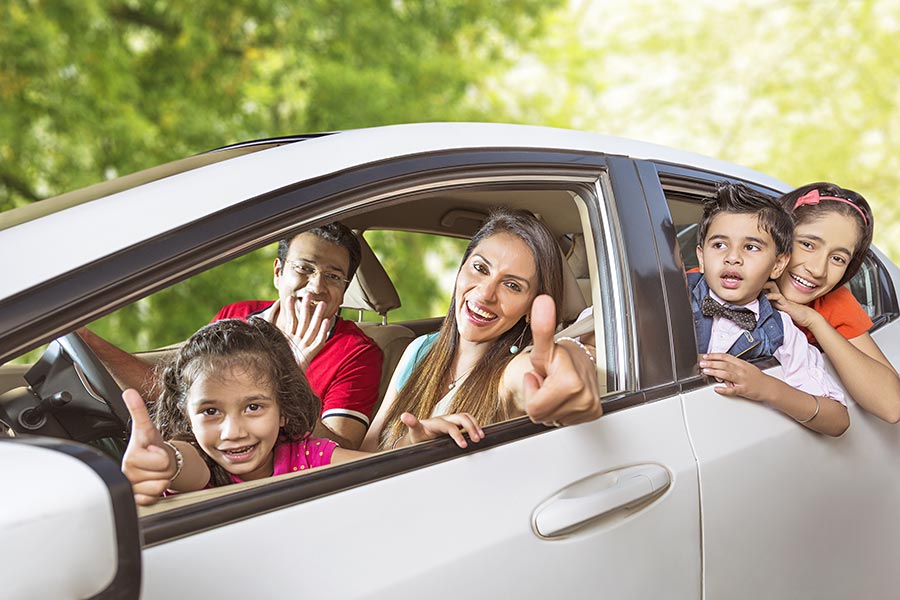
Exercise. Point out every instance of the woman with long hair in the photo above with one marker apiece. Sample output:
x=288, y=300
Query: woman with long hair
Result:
x=472, y=371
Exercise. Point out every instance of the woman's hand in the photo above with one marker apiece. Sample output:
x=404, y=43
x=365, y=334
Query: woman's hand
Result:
x=561, y=388
x=453, y=425
x=802, y=315
x=306, y=329
x=148, y=463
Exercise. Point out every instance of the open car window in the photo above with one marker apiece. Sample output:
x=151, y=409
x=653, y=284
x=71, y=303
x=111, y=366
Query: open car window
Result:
x=684, y=203
x=440, y=220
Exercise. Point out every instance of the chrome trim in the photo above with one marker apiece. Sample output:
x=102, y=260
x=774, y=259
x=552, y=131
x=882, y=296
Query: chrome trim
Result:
x=627, y=371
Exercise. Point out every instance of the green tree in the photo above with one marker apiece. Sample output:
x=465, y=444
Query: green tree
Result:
x=93, y=89
x=90, y=89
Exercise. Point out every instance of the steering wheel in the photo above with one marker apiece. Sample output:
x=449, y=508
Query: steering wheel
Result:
x=72, y=395
x=99, y=382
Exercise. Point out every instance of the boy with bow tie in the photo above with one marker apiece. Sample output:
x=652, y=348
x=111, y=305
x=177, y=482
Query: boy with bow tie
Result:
x=744, y=240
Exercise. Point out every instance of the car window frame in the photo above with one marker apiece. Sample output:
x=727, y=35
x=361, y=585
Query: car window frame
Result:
x=691, y=181
x=104, y=286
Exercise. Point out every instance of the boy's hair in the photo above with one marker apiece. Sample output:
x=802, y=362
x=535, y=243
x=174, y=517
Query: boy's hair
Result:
x=737, y=198
x=336, y=233
x=259, y=349
x=859, y=211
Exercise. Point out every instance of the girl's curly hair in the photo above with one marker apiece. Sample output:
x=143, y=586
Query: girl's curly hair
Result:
x=257, y=347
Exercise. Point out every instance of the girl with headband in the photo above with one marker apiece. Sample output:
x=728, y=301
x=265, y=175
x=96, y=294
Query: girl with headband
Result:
x=832, y=232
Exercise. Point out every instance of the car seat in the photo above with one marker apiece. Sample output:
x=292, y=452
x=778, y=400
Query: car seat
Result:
x=371, y=289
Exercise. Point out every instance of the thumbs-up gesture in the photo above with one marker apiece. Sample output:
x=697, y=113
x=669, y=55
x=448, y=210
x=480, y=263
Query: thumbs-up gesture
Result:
x=562, y=387
x=148, y=463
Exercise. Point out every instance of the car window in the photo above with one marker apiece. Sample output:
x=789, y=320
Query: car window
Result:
x=866, y=289
x=171, y=315
x=686, y=212
x=422, y=268
x=421, y=265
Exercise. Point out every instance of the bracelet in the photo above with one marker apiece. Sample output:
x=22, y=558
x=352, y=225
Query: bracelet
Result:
x=814, y=414
x=179, y=459
x=580, y=345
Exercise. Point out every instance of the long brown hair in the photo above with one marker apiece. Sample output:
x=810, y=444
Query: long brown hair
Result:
x=256, y=346
x=479, y=394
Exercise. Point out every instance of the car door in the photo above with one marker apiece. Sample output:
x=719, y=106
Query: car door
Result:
x=786, y=512
x=608, y=507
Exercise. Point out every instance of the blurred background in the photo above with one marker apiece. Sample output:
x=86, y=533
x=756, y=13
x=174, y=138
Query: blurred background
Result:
x=94, y=89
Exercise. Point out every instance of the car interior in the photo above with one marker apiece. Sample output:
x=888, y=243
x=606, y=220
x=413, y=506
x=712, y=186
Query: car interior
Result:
x=67, y=392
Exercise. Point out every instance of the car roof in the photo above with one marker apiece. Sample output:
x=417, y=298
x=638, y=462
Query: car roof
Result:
x=82, y=226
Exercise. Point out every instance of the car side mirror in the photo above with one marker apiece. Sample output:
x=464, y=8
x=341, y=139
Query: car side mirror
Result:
x=68, y=522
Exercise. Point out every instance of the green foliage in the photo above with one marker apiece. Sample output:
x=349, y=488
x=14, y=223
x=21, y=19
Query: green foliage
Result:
x=805, y=91
x=91, y=89
x=97, y=88
x=94, y=89
x=422, y=267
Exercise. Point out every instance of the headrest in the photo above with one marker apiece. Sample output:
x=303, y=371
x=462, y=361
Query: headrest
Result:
x=371, y=288
x=577, y=257
x=573, y=300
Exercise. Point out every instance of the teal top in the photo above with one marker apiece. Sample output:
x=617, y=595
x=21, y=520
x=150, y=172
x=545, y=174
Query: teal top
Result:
x=413, y=355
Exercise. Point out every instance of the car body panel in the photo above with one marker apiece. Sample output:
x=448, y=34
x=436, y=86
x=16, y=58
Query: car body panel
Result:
x=815, y=514
x=472, y=526
x=114, y=222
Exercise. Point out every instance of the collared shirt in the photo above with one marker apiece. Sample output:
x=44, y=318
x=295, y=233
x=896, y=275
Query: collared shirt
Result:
x=345, y=373
x=802, y=364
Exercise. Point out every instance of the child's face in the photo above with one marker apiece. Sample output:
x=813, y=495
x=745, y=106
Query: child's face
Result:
x=738, y=258
x=235, y=418
x=822, y=250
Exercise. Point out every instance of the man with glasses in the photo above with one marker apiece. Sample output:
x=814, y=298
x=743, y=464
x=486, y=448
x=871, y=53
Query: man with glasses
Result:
x=342, y=364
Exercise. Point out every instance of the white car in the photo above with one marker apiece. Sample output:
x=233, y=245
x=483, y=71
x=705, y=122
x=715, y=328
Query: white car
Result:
x=676, y=492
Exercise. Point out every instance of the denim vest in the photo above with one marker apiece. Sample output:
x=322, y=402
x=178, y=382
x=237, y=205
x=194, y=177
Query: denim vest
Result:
x=762, y=341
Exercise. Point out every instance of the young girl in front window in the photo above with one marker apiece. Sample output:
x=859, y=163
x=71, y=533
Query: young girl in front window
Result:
x=832, y=231
x=234, y=407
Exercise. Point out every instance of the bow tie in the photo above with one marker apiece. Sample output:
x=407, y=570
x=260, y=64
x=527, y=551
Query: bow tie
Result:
x=742, y=317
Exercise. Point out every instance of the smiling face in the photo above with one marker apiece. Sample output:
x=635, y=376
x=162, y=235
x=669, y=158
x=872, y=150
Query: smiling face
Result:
x=494, y=288
x=822, y=251
x=316, y=268
x=737, y=258
x=236, y=419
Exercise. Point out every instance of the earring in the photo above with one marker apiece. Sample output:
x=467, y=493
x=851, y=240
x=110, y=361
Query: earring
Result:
x=514, y=349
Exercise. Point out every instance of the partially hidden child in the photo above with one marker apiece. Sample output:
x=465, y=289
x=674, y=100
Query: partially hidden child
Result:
x=744, y=241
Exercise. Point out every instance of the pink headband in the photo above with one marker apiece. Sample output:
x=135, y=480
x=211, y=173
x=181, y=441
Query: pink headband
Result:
x=812, y=198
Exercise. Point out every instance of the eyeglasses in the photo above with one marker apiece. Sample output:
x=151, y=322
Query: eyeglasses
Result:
x=309, y=270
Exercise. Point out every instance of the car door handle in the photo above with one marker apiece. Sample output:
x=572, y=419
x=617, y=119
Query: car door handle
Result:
x=598, y=495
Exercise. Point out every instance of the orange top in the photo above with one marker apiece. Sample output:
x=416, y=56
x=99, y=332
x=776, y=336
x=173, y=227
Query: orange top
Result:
x=843, y=312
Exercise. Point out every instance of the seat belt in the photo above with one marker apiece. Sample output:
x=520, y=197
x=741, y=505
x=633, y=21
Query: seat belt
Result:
x=580, y=327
